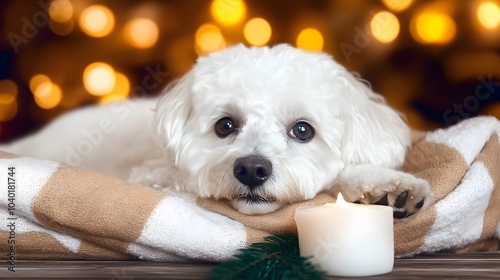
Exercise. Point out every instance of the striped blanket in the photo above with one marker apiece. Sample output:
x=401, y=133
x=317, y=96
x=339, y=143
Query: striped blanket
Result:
x=49, y=210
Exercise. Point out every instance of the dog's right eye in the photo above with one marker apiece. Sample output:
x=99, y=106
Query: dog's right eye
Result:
x=224, y=127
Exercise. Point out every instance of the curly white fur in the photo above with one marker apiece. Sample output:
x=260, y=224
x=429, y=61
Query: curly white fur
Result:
x=266, y=91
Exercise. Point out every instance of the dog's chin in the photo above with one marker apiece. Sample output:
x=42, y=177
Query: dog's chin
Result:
x=252, y=205
x=253, y=208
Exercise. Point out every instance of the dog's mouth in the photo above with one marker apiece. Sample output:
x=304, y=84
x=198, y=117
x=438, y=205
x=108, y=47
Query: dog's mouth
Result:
x=255, y=198
x=254, y=203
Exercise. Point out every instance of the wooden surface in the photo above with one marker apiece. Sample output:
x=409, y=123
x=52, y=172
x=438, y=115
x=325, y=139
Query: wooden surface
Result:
x=438, y=266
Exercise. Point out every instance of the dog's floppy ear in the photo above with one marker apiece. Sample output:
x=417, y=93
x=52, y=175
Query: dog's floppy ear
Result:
x=173, y=111
x=374, y=132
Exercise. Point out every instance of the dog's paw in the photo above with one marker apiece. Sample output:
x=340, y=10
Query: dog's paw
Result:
x=405, y=193
x=406, y=197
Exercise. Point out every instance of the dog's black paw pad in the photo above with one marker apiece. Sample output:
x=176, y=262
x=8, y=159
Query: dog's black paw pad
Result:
x=399, y=214
x=401, y=200
x=382, y=201
x=420, y=204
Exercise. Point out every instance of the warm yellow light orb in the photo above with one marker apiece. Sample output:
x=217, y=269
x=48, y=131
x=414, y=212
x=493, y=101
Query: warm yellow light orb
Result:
x=8, y=102
x=60, y=10
x=37, y=80
x=9, y=87
x=211, y=41
x=397, y=5
x=8, y=107
x=48, y=95
x=209, y=38
x=6, y=99
x=99, y=78
x=228, y=12
x=433, y=28
x=488, y=14
x=141, y=33
x=119, y=92
x=384, y=27
x=257, y=31
x=310, y=39
x=97, y=21
x=61, y=28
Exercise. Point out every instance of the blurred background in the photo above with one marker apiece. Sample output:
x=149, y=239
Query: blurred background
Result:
x=436, y=61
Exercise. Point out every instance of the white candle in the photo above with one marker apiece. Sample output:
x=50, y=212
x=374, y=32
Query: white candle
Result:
x=347, y=239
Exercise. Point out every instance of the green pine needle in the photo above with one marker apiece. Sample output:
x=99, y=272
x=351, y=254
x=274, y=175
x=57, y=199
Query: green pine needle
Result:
x=276, y=258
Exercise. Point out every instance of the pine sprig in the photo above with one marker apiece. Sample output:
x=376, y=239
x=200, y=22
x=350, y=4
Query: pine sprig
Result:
x=276, y=258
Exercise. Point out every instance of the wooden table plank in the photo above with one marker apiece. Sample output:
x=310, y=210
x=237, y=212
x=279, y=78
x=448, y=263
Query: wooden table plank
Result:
x=436, y=266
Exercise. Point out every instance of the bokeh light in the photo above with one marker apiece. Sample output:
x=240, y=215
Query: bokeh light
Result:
x=61, y=28
x=120, y=91
x=488, y=14
x=397, y=5
x=37, y=80
x=8, y=86
x=228, y=12
x=141, y=33
x=310, y=39
x=257, y=31
x=97, y=21
x=8, y=100
x=47, y=95
x=8, y=107
x=384, y=27
x=99, y=78
x=60, y=10
x=209, y=38
x=432, y=28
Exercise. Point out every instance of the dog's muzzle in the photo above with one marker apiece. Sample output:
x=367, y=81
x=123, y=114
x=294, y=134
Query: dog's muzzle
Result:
x=252, y=171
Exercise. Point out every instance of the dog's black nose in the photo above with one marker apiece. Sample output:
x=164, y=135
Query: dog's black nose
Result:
x=252, y=171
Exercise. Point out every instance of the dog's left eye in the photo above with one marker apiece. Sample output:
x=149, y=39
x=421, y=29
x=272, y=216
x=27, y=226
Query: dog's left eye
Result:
x=302, y=132
x=224, y=127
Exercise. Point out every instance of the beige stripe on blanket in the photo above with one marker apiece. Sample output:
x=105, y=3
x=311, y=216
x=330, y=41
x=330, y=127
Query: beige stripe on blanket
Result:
x=112, y=222
x=443, y=167
x=489, y=157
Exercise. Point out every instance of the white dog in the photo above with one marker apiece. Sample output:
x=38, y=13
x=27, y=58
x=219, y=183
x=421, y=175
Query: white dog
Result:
x=261, y=127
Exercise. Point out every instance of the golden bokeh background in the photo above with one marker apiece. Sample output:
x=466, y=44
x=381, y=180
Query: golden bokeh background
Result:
x=436, y=61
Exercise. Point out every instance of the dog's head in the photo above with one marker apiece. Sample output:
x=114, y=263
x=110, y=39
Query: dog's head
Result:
x=263, y=127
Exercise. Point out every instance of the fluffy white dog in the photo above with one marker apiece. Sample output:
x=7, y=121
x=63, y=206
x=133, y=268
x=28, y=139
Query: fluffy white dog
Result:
x=261, y=127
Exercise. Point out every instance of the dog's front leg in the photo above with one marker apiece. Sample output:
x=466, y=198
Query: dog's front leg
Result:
x=371, y=184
